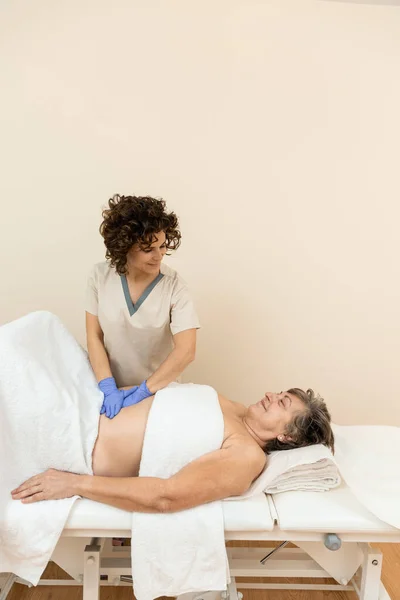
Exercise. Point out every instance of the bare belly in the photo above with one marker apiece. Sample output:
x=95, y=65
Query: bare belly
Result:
x=118, y=448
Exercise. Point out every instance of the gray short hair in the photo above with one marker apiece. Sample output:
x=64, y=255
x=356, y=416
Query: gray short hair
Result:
x=311, y=426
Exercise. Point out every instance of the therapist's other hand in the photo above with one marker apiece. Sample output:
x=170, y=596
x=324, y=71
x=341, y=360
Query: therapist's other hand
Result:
x=137, y=395
x=50, y=485
x=113, y=397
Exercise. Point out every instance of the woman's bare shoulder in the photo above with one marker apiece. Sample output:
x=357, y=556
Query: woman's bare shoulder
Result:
x=235, y=433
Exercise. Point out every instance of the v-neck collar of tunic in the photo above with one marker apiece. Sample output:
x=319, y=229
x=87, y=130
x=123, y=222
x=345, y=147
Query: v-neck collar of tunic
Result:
x=133, y=308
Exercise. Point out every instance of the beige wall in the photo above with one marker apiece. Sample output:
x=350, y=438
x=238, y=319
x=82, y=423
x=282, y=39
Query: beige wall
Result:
x=272, y=128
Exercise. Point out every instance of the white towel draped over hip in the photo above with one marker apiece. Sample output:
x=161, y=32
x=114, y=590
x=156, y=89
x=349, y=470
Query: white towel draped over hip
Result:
x=49, y=406
x=184, y=551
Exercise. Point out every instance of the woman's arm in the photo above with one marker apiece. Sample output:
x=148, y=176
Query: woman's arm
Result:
x=214, y=476
x=176, y=362
x=95, y=344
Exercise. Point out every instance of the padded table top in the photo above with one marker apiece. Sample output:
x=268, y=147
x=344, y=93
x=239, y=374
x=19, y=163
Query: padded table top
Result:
x=337, y=510
x=252, y=514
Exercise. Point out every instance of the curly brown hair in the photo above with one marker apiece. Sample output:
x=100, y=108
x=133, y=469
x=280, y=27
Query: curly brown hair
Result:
x=130, y=220
x=312, y=426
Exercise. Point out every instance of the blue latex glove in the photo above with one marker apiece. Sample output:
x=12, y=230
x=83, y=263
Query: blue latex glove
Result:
x=113, y=397
x=137, y=395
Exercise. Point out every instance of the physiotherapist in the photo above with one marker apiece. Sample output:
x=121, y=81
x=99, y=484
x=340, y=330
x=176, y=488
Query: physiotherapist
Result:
x=141, y=322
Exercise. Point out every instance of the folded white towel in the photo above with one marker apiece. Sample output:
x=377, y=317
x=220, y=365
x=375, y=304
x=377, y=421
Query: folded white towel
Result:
x=49, y=406
x=182, y=552
x=312, y=469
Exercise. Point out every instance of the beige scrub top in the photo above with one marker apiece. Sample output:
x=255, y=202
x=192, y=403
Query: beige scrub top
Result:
x=138, y=338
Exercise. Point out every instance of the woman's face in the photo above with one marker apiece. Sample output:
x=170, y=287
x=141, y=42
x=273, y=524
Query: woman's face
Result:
x=270, y=417
x=148, y=260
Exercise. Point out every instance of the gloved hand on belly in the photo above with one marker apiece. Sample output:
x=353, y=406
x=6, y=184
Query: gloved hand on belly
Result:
x=113, y=397
x=136, y=395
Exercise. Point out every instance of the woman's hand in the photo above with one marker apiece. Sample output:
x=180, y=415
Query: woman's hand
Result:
x=50, y=485
x=114, y=398
x=136, y=394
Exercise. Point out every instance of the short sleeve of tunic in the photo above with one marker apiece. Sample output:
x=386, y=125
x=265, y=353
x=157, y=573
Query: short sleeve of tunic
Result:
x=183, y=312
x=92, y=294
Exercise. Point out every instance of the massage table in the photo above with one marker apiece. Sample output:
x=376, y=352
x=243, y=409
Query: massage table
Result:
x=332, y=532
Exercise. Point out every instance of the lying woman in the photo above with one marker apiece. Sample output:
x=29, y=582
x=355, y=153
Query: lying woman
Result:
x=278, y=421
